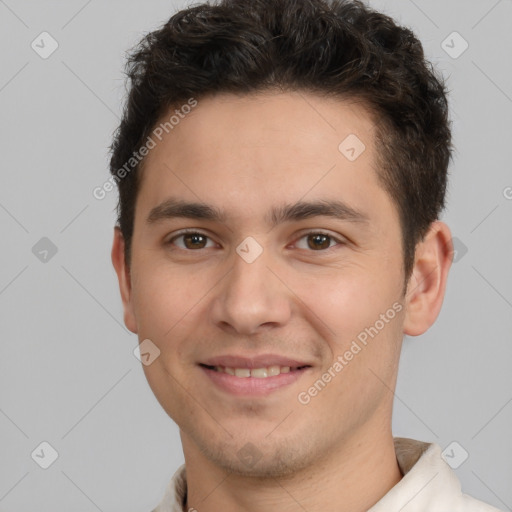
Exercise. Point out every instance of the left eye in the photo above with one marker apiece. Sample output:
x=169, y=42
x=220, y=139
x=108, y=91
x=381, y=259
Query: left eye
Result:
x=318, y=241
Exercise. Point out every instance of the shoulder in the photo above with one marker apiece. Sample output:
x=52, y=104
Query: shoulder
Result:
x=428, y=484
x=470, y=504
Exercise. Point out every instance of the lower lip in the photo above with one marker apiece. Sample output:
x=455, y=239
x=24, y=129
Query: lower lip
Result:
x=252, y=386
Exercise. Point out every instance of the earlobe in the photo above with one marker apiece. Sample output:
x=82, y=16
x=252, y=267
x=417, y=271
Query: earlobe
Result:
x=427, y=284
x=124, y=278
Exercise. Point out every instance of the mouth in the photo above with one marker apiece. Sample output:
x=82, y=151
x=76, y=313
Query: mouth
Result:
x=252, y=377
x=258, y=373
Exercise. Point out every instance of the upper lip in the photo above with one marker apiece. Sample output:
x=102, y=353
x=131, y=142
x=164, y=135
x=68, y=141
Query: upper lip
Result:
x=260, y=361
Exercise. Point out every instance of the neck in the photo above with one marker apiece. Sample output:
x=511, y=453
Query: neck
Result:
x=352, y=478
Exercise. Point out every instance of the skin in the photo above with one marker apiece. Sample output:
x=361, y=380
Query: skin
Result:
x=246, y=155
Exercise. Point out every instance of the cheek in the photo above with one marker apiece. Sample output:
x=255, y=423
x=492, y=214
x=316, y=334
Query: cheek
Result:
x=363, y=311
x=353, y=300
x=166, y=298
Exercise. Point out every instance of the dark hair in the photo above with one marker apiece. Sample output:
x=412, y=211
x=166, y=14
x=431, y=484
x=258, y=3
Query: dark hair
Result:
x=334, y=48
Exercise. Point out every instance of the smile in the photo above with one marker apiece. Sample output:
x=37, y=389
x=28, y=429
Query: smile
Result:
x=257, y=373
x=252, y=382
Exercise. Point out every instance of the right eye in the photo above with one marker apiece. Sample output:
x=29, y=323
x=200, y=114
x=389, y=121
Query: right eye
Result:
x=192, y=240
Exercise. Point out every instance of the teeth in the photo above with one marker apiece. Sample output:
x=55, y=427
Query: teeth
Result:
x=258, y=373
x=274, y=370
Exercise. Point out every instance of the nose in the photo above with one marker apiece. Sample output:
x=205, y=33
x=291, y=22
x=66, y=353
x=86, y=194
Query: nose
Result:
x=251, y=297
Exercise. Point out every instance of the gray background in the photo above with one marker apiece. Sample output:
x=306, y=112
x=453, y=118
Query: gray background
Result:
x=68, y=374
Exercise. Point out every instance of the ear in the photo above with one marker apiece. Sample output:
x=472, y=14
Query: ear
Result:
x=124, y=278
x=427, y=284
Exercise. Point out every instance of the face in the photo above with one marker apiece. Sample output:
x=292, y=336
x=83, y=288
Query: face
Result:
x=263, y=284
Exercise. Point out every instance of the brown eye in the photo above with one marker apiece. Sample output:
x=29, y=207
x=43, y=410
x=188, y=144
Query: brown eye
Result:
x=194, y=241
x=190, y=241
x=318, y=241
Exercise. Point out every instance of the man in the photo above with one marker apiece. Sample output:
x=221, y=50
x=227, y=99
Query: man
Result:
x=281, y=168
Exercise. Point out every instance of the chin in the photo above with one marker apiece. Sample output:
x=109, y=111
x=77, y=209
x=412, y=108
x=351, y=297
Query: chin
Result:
x=255, y=458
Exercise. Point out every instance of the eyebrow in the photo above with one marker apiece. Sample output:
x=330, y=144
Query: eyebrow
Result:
x=175, y=208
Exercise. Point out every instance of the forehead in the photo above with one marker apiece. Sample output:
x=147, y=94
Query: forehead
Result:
x=240, y=152
x=303, y=121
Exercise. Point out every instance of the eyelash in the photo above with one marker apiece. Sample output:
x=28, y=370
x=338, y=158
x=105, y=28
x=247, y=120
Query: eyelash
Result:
x=313, y=232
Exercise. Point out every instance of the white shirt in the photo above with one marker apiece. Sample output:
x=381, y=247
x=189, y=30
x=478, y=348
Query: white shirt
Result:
x=429, y=485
